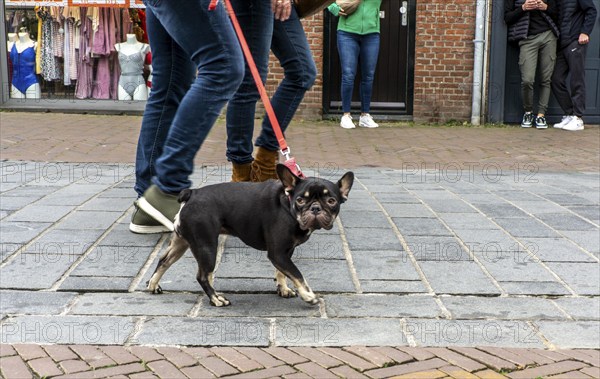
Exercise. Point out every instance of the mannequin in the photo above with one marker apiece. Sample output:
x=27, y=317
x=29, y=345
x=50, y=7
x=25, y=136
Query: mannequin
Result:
x=131, y=58
x=24, y=81
x=12, y=38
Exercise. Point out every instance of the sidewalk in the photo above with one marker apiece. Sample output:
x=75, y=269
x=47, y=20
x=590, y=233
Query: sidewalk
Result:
x=460, y=253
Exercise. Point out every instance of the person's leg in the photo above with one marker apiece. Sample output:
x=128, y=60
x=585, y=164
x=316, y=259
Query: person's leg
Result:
x=169, y=85
x=547, y=61
x=528, y=60
x=576, y=60
x=290, y=46
x=256, y=20
x=369, y=52
x=559, y=82
x=348, y=50
x=212, y=45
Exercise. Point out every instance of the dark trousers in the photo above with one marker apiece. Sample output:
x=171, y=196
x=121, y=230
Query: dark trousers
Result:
x=570, y=60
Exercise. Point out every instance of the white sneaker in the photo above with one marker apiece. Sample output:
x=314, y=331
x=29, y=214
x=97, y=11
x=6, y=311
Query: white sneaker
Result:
x=575, y=124
x=565, y=120
x=347, y=123
x=366, y=121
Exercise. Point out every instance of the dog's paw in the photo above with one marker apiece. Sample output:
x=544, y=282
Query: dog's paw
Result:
x=219, y=301
x=310, y=298
x=155, y=289
x=286, y=292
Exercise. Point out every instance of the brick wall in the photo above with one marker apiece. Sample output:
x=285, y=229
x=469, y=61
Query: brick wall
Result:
x=443, y=62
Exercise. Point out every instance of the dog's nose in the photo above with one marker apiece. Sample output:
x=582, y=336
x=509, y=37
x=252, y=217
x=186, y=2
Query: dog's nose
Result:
x=315, y=208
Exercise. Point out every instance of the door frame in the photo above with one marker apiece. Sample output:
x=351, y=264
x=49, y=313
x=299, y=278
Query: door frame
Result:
x=406, y=114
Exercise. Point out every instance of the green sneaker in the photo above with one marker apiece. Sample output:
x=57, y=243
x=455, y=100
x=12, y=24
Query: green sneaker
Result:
x=141, y=223
x=159, y=205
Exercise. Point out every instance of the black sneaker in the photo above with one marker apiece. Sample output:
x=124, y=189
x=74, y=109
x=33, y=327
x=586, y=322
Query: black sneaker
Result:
x=142, y=223
x=527, y=120
x=159, y=205
x=540, y=122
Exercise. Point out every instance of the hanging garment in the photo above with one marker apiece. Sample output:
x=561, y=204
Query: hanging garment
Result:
x=50, y=66
x=83, y=89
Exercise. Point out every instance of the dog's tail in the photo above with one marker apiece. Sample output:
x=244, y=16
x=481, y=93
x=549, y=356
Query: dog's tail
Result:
x=184, y=195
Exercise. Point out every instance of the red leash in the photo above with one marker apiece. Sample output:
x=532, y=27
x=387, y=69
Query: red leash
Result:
x=290, y=162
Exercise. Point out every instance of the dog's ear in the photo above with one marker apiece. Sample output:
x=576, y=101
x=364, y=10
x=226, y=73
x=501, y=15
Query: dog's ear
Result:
x=286, y=176
x=345, y=184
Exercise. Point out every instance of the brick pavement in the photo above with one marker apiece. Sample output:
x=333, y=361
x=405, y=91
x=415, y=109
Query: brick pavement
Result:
x=529, y=199
x=21, y=361
x=99, y=138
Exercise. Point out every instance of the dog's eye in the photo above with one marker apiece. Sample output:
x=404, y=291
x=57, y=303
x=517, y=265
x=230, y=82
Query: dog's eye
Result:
x=300, y=201
x=331, y=201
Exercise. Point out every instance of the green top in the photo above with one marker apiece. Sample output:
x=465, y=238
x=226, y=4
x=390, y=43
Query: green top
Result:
x=364, y=20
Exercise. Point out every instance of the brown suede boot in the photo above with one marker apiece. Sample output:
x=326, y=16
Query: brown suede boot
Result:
x=263, y=166
x=241, y=172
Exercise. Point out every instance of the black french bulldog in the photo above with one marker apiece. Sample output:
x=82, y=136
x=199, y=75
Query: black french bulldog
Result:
x=275, y=216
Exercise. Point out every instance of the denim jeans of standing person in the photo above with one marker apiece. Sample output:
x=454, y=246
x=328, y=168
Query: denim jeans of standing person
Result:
x=352, y=49
x=288, y=42
x=185, y=40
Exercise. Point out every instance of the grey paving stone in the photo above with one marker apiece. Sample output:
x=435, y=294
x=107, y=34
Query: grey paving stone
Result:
x=124, y=238
x=437, y=249
x=540, y=206
x=566, y=221
x=400, y=197
x=498, y=333
x=125, y=261
x=89, y=220
x=336, y=279
x=515, y=267
x=95, y=283
x=13, y=203
x=457, y=278
x=534, y=288
x=243, y=263
x=364, y=219
x=34, y=302
x=467, y=221
x=408, y=210
x=556, y=250
x=259, y=305
x=31, y=191
x=135, y=303
x=60, y=241
x=517, y=195
x=568, y=199
x=570, y=335
x=503, y=308
x=89, y=330
x=492, y=243
x=372, y=239
x=21, y=232
x=320, y=246
x=362, y=204
x=583, y=278
x=74, y=194
x=393, y=286
x=381, y=306
x=204, y=331
x=127, y=193
x=238, y=285
x=580, y=308
x=427, y=193
x=108, y=204
x=338, y=332
x=385, y=188
x=588, y=240
x=181, y=276
x=500, y=210
x=454, y=206
x=8, y=249
x=421, y=227
x=384, y=265
x=40, y=213
x=589, y=212
x=46, y=269
x=525, y=227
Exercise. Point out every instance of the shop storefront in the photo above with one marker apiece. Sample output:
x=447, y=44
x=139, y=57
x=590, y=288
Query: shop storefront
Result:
x=75, y=55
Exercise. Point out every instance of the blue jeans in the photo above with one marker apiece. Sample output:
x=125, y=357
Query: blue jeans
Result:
x=197, y=67
x=289, y=45
x=354, y=48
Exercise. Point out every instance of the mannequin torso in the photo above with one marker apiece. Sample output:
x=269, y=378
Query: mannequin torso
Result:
x=24, y=80
x=131, y=59
x=12, y=38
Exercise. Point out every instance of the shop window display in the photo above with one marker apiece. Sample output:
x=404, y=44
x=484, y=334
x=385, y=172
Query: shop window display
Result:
x=77, y=52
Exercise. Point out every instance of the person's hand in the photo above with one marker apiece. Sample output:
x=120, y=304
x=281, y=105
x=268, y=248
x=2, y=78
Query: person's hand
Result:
x=584, y=39
x=529, y=5
x=282, y=9
x=342, y=13
x=541, y=5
